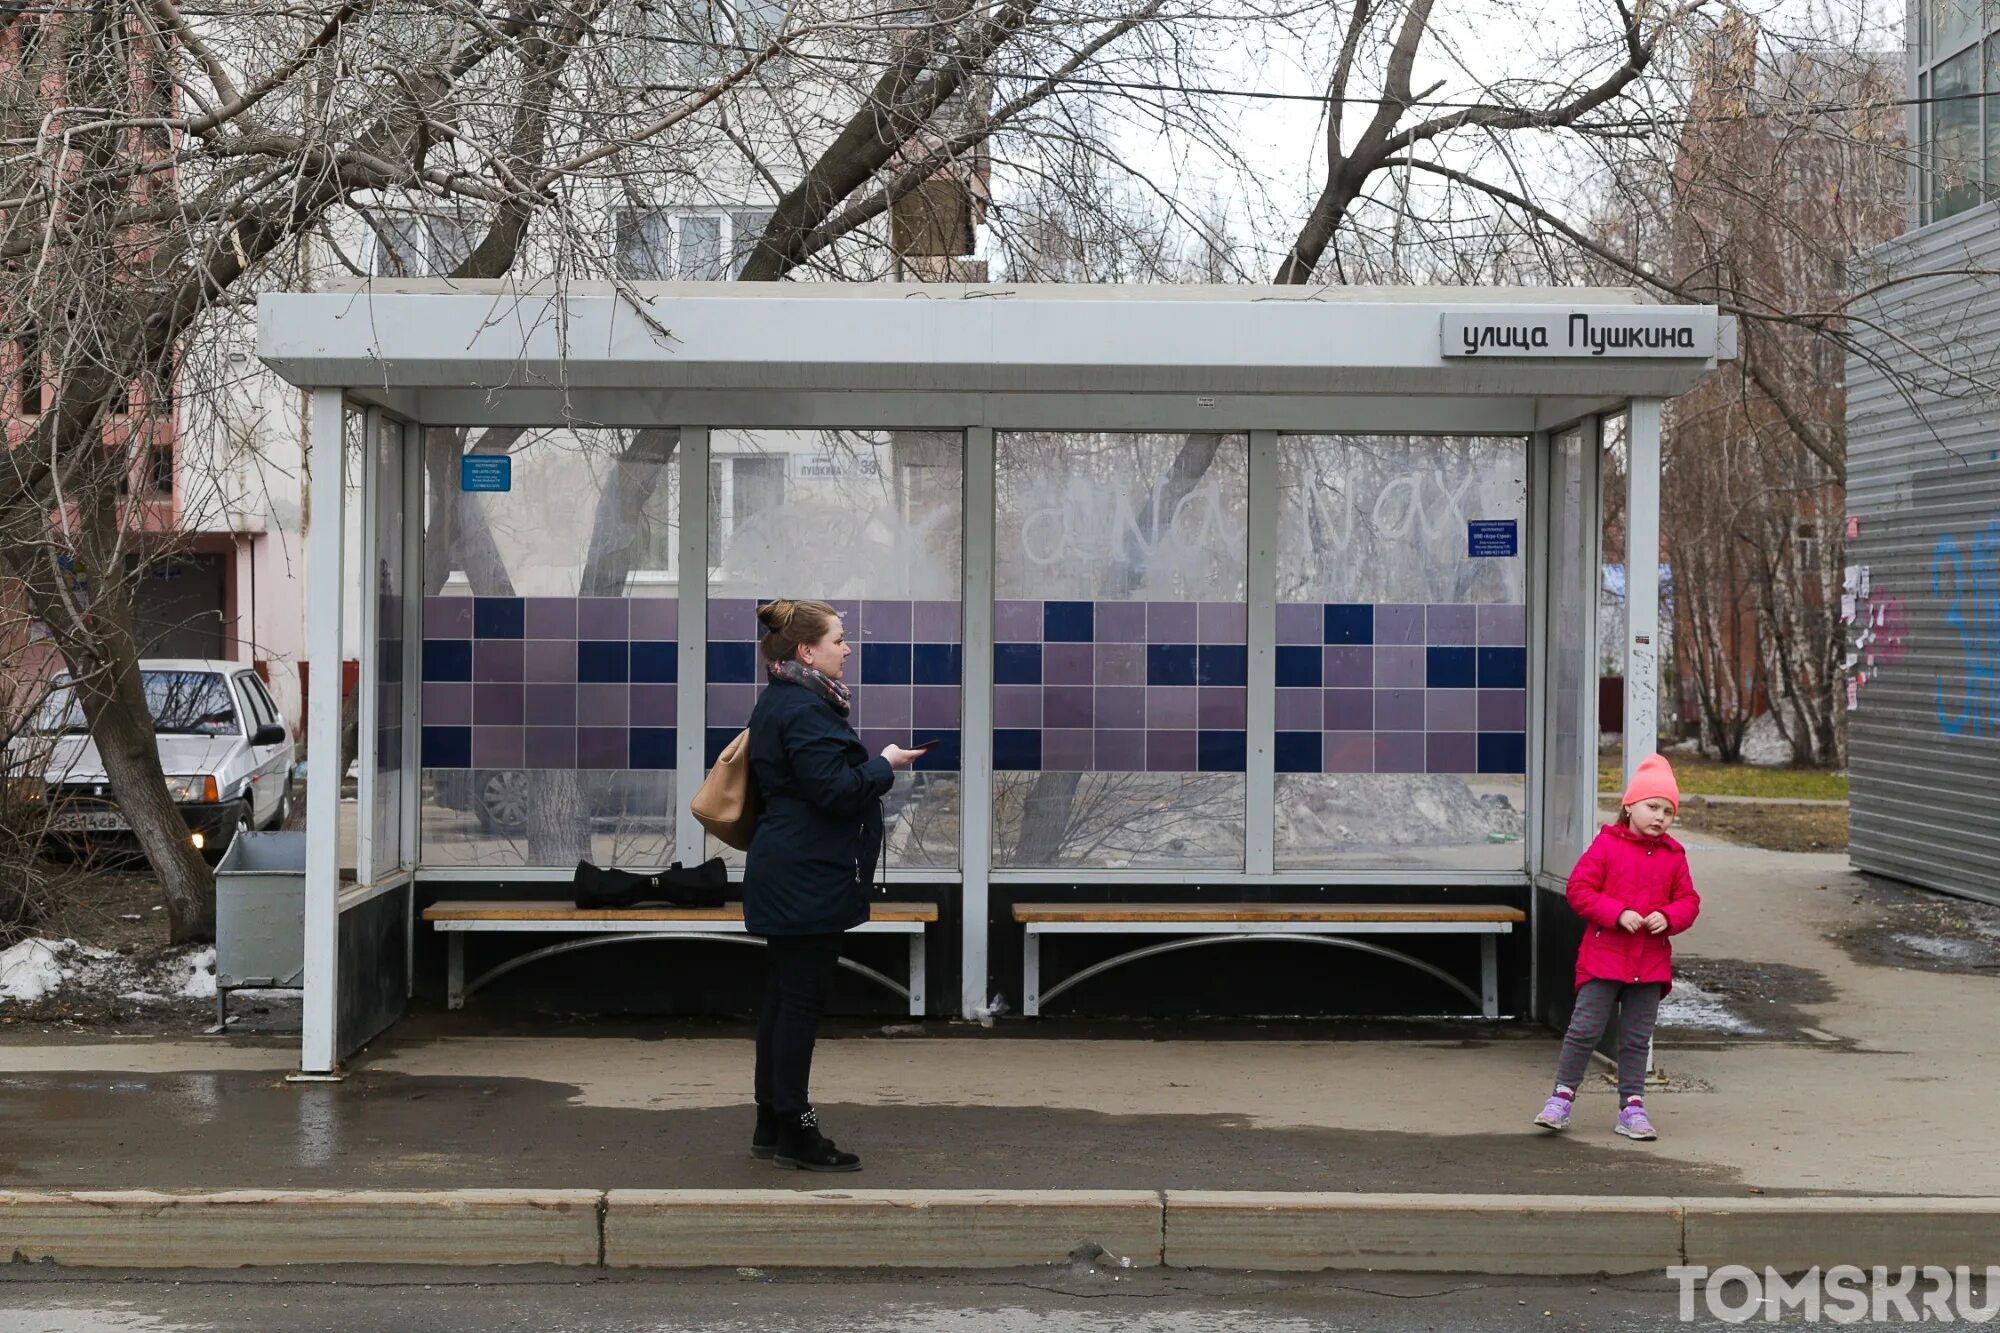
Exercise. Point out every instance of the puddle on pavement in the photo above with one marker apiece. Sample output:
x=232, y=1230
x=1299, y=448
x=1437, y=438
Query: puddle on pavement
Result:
x=1914, y=928
x=1730, y=999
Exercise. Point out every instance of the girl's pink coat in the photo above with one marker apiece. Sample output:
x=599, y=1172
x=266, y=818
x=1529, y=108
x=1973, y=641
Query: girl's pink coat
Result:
x=1627, y=870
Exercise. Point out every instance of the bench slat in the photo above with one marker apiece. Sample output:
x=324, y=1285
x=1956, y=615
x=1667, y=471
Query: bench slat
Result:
x=468, y=910
x=1414, y=913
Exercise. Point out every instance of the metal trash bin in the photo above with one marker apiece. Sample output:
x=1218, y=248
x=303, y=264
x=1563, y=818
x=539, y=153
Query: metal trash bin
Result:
x=260, y=898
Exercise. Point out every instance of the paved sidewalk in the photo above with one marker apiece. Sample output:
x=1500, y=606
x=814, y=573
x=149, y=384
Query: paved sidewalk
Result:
x=1872, y=1072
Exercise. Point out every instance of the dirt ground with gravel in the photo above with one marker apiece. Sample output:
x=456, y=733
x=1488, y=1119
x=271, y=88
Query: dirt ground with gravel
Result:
x=1773, y=826
x=117, y=912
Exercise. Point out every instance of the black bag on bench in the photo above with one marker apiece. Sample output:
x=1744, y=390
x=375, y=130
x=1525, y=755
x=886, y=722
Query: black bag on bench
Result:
x=707, y=885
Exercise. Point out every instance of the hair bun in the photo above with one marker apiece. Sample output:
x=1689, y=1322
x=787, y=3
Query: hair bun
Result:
x=775, y=616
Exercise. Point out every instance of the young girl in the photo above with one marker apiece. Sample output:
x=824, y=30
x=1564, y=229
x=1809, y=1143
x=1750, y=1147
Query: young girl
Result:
x=1632, y=890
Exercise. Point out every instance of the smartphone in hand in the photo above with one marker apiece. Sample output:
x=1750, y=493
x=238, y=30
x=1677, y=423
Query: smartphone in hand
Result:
x=922, y=746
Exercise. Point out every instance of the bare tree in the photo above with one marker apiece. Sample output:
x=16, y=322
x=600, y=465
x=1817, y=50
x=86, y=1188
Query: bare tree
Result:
x=162, y=167
x=1377, y=133
x=1789, y=164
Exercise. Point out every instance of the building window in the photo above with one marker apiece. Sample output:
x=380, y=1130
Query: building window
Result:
x=28, y=348
x=1957, y=121
x=160, y=470
x=741, y=487
x=686, y=245
x=418, y=245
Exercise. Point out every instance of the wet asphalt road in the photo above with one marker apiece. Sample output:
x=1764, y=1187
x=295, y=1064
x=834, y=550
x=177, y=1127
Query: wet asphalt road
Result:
x=1016, y=1301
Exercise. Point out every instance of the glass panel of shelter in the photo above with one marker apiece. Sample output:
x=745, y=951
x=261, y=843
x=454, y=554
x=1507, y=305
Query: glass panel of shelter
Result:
x=871, y=521
x=1570, y=676
x=384, y=581
x=549, y=690
x=549, y=693
x=1120, y=650
x=1402, y=658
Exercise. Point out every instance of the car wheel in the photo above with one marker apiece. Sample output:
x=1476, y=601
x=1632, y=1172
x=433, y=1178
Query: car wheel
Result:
x=500, y=799
x=283, y=815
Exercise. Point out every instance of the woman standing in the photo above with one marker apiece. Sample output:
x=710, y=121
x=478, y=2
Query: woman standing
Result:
x=811, y=862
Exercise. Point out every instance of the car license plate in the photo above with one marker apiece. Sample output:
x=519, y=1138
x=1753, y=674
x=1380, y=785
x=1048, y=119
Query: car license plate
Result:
x=91, y=821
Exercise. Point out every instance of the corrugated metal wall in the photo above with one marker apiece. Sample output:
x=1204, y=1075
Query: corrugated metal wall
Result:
x=1923, y=501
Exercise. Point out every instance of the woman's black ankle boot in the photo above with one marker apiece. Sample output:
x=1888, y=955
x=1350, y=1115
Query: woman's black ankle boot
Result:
x=764, y=1139
x=803, y=1148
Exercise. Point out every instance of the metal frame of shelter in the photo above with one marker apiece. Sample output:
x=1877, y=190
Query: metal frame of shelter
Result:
x=1254, y=360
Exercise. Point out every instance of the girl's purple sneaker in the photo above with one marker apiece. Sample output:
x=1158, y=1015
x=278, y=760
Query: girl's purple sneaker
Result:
x=1632, y=1123
x=1555, y=1115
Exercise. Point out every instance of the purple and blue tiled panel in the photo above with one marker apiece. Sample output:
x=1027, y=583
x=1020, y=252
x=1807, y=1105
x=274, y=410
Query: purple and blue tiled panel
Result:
x=904, y=675
x=1120, y=687
x=550, y=682
x=1079, y=686
x=1401, y=688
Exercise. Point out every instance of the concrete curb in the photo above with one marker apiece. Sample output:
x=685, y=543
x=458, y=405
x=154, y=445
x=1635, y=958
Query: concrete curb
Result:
x=240, y=1228
x=1540, y=1235
x=1792, y=1235
x=1412, y=1233
x=878, y=1228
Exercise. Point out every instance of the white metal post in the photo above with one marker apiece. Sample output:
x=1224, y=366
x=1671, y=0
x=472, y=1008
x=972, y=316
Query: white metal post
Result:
x=326, y=464
x=367, y=655
x=1260, y=778
x=1642, y=581
x=691, y=714
x=1642, y=589
x=975, y=747
x=1592, y=555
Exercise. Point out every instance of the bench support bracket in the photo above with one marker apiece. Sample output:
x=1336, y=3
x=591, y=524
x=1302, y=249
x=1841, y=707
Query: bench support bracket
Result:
x=1034, y=996
x=458, y=988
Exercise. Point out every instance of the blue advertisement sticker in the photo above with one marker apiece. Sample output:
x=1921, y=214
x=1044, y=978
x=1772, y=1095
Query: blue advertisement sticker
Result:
x=1493, y=537
x=486, y=472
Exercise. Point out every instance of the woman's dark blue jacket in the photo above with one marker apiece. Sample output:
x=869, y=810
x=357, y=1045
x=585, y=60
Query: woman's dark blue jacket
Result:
x=812, y=857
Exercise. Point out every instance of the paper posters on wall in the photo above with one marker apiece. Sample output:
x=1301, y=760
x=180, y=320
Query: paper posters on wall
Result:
x=1847, y=608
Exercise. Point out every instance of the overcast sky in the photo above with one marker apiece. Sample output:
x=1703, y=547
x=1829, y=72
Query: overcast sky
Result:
x=1474, y=44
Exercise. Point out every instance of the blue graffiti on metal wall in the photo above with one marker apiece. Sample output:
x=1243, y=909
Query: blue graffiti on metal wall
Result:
x=1966, y=577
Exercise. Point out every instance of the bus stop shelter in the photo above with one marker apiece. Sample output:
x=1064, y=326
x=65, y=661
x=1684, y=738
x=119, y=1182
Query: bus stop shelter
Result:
x=1240, y=593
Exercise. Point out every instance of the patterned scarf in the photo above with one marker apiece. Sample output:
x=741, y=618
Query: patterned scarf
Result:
x=827, y=688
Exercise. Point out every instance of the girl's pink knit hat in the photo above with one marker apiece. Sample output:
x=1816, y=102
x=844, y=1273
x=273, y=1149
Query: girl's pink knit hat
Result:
x=1654, y=778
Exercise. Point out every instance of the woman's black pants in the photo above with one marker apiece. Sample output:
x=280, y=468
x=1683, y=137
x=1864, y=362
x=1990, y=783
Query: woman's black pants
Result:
x=798, y=975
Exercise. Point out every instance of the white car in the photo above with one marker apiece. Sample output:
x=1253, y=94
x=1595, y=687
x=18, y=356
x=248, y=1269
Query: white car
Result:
x=227, y=755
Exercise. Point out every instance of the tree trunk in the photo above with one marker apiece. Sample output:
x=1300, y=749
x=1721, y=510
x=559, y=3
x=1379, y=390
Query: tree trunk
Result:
x=456, y=535
x=114, y=703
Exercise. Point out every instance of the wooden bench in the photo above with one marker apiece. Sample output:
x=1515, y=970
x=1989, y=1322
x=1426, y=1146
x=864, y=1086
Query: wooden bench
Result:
x=457, y=919
x=1298, y=923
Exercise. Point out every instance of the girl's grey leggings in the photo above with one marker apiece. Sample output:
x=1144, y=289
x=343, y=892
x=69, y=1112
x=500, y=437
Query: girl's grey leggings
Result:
x=1638, y=1005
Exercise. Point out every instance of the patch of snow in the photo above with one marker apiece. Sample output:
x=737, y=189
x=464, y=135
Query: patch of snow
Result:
x=200, y=984
x=1930, y=946
x=1691, y=1008
x=33, y=969
x=1763, y=746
